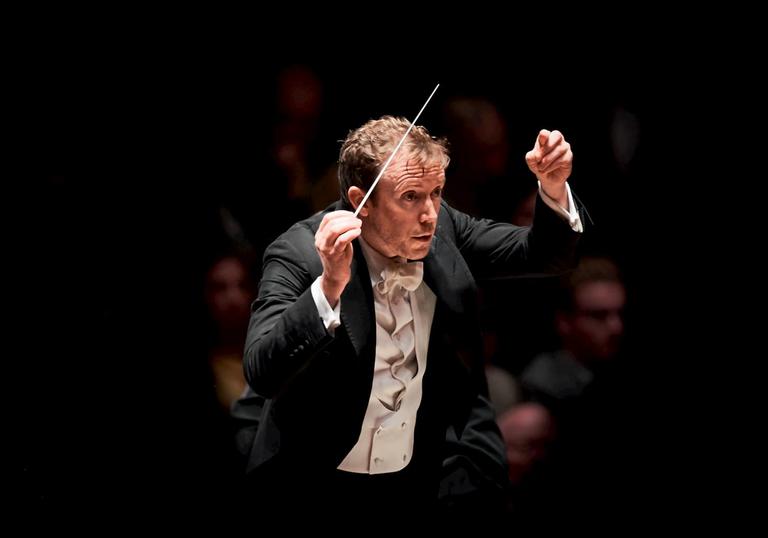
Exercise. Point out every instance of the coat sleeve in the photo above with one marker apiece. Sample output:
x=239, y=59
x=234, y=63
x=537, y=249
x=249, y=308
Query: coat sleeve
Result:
x=492, y=248
x=285, y=331
x=475, y=469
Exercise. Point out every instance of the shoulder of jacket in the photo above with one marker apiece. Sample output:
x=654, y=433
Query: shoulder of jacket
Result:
x=446, y=225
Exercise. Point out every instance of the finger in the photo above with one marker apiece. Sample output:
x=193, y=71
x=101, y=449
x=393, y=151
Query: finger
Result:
x=552, y=156
x=337, y=227
x=340, y=245
x=332, y=216
x=337, y=222
x=532, y=158
x=564, y=161
x=345, y=239
x=554, y=139
x=336, y=214
x=541, y=140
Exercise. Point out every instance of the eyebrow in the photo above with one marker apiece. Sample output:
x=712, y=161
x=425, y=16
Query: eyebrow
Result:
x=413, y=184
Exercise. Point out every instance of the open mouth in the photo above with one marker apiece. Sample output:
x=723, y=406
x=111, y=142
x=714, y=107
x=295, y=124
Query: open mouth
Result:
x=423, y=238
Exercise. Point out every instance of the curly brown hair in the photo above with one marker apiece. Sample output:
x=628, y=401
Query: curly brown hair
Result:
x=367, y=148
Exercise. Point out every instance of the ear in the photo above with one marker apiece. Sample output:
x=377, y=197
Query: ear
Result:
x=356, y=195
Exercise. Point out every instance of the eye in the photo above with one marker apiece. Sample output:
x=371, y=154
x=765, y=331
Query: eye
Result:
x=437, y=192
x=409, y=196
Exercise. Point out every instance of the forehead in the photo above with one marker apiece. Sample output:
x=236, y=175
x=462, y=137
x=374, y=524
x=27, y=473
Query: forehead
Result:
x=406, y=169
x=226, y=267
x=600, y=294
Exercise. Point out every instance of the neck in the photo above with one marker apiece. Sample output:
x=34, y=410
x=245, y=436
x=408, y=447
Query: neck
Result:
x=370, y=249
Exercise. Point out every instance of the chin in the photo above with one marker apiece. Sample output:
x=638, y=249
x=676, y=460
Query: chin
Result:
x=418, y=252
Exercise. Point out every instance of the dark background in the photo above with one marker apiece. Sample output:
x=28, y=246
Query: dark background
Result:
x=147, y=143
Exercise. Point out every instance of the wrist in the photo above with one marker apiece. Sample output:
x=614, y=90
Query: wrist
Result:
x=331, y=289
x=556, y=193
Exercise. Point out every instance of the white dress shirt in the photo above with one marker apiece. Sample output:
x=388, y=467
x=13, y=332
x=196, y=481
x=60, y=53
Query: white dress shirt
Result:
x=570, y=214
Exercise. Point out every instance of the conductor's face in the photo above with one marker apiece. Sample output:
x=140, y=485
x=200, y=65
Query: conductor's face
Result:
x=400, y=217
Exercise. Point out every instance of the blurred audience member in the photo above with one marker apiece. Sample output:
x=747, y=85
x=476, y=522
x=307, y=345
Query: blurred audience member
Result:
x=590, y=324
x=528, y=430
x=229, y=291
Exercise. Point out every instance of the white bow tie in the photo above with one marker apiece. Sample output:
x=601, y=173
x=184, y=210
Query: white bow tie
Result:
x=406, y=275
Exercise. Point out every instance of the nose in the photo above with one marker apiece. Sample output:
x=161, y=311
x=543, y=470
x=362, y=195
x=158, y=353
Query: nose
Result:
x=429, y=213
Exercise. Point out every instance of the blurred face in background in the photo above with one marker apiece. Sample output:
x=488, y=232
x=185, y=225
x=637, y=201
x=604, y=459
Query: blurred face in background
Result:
x=528, y=430
x=229, y=293
x=594, y=329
